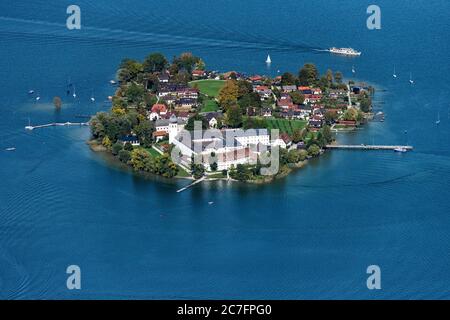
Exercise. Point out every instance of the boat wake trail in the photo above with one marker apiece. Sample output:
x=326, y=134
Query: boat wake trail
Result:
x=56, y=33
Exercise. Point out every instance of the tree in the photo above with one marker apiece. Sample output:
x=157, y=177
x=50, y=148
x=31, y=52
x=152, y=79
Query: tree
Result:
x=228, y=95
x=288, y=78
x=308, y=75
x=244, y=87
x=303, y=154
x=129, y=70
x=57, y=102
x=124, y=156
x=116, y=147
x=213, y=166
x=191, y=122
x=251, y=99
x=155, y=62
x=144, y=131
x=313, y=150
x=200, y=65
x=351, y=114
x=241, y=173
x=135, y=93
x=330, y=116
x=234, y=117
x=329, y=77
x=293, y=156
x=365, y=103
x=138, y=159
x=106, y=142
x=338, y=77
x=326, y=133
x=128, y=147
x=197, y=169
x=297, y=135
x=297, y=97
x=186, y=61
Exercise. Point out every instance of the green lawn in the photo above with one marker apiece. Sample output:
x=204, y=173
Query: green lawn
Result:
x=285, y=126
x=152, y=152
x=208, y=87
x=209, y=105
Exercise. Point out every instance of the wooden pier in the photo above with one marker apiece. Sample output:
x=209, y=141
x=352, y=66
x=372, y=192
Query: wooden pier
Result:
x=366, y=147
x=192, y=184
x=57, y=124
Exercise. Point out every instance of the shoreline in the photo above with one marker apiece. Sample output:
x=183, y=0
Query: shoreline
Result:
x=107, y=157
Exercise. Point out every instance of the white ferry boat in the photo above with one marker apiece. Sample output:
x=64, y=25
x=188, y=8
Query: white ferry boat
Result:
x=345, y=51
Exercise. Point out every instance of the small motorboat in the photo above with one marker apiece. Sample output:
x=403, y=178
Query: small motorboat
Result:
x=31, y=92
x=92, y=99
x=38, y=98
x=401, y=149
x=10, y=149
x=112, y=82
x=210, y=202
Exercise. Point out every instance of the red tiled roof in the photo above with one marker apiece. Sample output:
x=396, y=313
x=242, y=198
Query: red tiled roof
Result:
x=159, y=107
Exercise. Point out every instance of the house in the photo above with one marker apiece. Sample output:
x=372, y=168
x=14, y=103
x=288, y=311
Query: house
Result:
x=267, y=112
x=212, y=118
x=163, y=125
x=305, y=90
x=301, y=145
x=163, y=77
x=191, y=93
x=256, y=79
x=264, y=92
x=183, y=115
x=169, y=99
x=185, y=104
x=316, y=91
x=315, y=123
x=286, y=139
x=130, y=139
x=198, y=74
x=291, y=88
x=159, y=135
x=159, y=108
x=285, y=103
x=157, y=111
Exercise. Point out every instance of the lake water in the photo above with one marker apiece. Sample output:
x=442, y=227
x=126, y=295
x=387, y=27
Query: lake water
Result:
x=310, y=235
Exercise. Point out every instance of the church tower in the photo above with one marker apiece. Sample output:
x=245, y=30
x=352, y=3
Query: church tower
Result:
x=173, y=128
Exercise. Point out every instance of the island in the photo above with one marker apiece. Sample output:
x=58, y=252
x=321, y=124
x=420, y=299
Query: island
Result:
x=158, y=103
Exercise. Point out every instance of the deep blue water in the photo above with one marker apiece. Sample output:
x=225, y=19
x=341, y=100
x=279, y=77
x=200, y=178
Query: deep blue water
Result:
x=311, y=235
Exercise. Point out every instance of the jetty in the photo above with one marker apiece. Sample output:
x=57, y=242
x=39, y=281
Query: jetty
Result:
x=57, y=124
x=192, y=184
x=366, y=147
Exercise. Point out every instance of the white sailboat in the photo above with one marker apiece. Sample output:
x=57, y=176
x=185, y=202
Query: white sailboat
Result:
x=438, y=119
x=353, y=69
x=268, y=60
x=74, y=93
x=31, y=92
x=29, y=126
x=92, y=97
x=394, y=74
x=411, y=81
x=38, y=97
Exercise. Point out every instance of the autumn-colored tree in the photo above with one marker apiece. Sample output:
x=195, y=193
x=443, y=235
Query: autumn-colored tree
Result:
x=228, y=95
